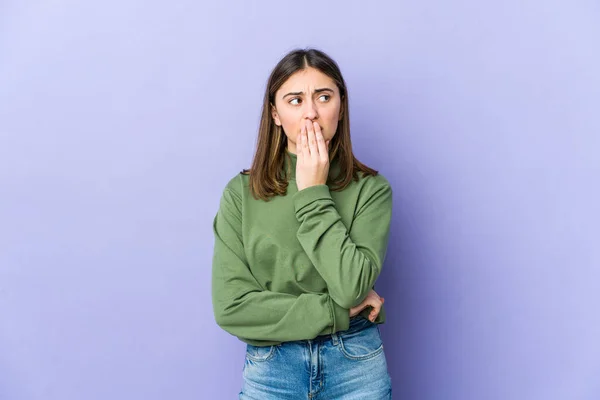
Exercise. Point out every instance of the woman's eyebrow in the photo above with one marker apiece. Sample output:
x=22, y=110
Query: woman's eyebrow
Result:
x=326, y=89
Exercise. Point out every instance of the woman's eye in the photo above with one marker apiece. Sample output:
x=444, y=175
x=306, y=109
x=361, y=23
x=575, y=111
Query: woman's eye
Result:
x=297, y=100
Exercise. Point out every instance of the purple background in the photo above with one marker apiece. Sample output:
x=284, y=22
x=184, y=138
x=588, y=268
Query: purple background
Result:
x=121, y=122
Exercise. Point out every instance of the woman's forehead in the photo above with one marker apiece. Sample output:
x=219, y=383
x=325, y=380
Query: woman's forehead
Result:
x=307, y=79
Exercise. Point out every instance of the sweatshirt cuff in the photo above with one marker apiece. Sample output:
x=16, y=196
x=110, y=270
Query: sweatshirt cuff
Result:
x=312, y=193
x=340, y=316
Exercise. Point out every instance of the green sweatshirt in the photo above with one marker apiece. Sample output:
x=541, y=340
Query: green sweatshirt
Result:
x=291, y=268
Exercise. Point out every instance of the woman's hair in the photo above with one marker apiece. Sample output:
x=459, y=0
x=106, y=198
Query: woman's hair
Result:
x=267, y=177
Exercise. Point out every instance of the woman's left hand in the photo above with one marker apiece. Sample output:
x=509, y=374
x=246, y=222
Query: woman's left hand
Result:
x=312, y=152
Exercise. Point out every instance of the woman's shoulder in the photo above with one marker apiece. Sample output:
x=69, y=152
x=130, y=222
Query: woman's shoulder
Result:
x=236, y=184
x=374, y=190
x=373, y=183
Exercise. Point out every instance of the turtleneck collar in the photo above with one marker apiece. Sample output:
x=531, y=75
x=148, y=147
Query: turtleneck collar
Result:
x=290, y=159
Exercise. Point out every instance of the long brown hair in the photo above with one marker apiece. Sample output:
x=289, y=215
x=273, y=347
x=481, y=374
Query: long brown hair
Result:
x=267, y=176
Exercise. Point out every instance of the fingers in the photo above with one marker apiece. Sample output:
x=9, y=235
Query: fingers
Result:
x=321, y=145
x=312, y=140
x=375, y=302
x=376, y=309
x=302, y=145
x=316, y=147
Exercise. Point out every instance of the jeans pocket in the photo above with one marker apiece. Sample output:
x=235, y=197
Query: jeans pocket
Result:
x=361, y=344
x=259, y=353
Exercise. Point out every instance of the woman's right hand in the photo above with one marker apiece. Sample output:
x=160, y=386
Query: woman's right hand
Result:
x=372, y=300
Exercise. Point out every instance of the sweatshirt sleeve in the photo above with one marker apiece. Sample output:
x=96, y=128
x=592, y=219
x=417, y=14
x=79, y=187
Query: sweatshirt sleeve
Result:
x=348, y=260
x=244, y=308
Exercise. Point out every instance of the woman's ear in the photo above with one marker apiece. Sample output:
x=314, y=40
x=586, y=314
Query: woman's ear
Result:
x=274, y=115
x=341, y=109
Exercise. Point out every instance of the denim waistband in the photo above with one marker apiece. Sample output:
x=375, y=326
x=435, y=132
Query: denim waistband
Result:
x=357, y=323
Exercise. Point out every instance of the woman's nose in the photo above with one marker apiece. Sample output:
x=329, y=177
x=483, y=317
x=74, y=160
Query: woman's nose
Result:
x=311, y=112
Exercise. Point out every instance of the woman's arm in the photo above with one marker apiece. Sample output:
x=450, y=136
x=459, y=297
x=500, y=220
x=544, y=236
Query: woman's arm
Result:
x=243, y=308
x=348, y=260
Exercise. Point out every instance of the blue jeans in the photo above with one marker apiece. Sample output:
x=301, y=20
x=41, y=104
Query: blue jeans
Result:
x=349, y=365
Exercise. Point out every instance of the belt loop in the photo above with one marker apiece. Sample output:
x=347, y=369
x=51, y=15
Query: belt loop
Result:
x=334, y=338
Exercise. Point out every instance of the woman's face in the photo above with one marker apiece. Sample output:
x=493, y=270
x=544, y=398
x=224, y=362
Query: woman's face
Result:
x=311, y=95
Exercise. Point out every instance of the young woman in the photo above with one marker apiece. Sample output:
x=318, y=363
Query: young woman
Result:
x=300, y=239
